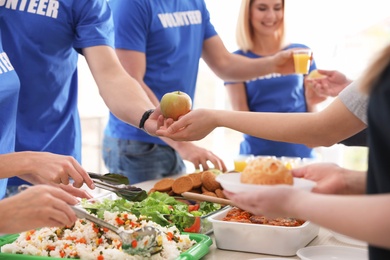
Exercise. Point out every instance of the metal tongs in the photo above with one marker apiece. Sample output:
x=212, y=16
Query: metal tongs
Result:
x=151, y=246
x=112, y=178
x=117, y=184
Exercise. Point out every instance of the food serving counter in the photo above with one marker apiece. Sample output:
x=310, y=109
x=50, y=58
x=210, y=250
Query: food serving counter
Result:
x=324, y=237
x=248, y=241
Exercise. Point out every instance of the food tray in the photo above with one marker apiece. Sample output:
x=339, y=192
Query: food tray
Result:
x=197, y=251
x=262, y=239
x=205, y=225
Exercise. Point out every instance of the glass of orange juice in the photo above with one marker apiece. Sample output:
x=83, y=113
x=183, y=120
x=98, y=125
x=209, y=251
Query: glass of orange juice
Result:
x=241, y=161
x=302, y=59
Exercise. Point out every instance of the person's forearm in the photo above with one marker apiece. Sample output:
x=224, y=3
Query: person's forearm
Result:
x=355, y=181
x=284, y=127
x=312, y=108
x=23, y=165
x=126, y=99
x=15, y=164
x=347, y=82
x=234, y=67
x=6, y=211
x=240, y=68
x=323, y=128
x=121, y=93
x=362, y=217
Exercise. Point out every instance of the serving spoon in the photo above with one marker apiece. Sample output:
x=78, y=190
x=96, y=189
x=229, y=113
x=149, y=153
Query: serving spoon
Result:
x=201, y=197
x=152, y=246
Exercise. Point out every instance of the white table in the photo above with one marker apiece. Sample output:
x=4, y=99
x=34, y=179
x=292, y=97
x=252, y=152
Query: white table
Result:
x=324, y=238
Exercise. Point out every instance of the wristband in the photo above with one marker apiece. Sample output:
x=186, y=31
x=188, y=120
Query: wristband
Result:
x=145, y=117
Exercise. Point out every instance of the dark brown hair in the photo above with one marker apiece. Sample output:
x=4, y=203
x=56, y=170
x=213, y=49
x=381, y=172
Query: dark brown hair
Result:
x=375, y=70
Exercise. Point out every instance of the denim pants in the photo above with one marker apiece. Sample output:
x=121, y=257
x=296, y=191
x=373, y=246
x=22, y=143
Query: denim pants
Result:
x=141, y=161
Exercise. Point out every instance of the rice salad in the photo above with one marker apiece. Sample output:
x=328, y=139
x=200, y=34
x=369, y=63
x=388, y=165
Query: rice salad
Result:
x=85, y=240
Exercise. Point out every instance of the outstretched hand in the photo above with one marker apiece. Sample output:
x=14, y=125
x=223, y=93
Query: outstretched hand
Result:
x=194, y=125
x=271, y=202
x=50, y=168
x=332, y=179
x=185, y=129
x=284, y=62
x=331, y=84
x=38, y=206
x=200, y=157
x=313, y=97
x=152, y=124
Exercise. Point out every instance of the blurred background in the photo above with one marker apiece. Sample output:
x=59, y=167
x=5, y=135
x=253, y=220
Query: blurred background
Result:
x=344, y=35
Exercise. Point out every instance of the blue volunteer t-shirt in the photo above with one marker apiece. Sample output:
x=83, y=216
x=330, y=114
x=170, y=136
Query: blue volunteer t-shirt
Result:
x=9, y=91
x=275, y=93
x=171, y=34
x=42, y=39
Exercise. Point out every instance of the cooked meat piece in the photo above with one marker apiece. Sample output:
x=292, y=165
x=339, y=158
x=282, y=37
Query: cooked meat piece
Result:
x=258, y=219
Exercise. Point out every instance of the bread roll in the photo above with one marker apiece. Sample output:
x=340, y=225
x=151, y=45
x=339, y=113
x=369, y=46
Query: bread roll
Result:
x=266, y=171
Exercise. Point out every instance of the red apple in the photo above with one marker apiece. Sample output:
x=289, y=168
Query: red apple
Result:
x=175, y=104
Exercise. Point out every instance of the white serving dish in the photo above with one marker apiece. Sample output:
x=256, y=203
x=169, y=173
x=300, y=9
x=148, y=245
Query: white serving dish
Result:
x=261, y=239
x=231, y=182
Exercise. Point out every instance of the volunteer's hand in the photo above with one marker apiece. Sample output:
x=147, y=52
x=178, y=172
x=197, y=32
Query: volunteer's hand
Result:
x=38, y=206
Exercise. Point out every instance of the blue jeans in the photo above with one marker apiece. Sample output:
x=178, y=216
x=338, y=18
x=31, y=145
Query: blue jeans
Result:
x=141, y=161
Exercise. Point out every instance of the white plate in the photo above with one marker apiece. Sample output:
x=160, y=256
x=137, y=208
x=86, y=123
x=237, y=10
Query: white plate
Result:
x=270, y=258
x=332, y=253
x=347, y=239
x=231, y=182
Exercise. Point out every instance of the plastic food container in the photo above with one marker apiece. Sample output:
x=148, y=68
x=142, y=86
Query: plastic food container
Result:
x=196, y=252
x=261, y=239
x=206, y=227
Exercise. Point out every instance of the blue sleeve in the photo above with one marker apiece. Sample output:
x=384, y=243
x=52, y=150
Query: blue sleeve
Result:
x=313, y=66
x=94, y=24
x=210, y=30
x=132, y=12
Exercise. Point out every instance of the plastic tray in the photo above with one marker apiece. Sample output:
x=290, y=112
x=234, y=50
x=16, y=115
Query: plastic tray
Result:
x=205, y=225
x=197, y=251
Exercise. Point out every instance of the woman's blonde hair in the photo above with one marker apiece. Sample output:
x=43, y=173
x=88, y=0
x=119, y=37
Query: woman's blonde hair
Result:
x=374, y=72
x=244, y=29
